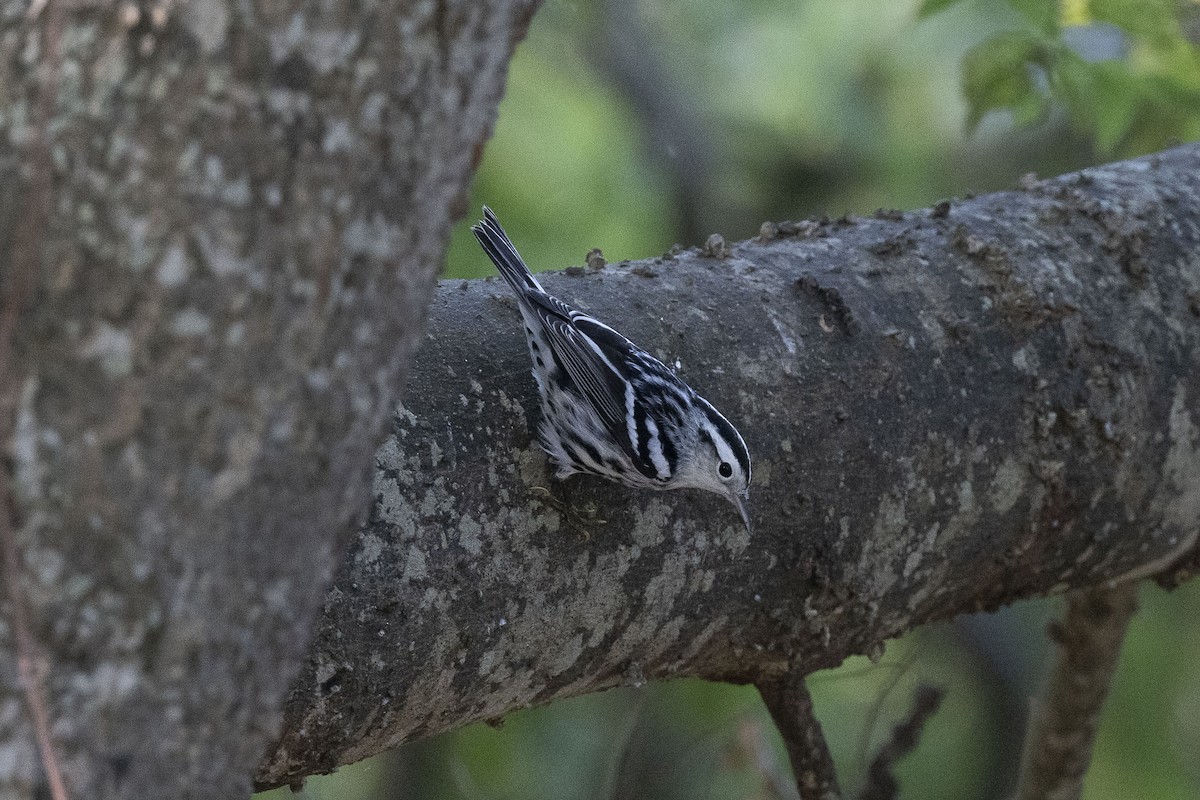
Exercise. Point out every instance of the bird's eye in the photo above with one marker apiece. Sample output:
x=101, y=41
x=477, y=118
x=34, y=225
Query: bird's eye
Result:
x=725, y=470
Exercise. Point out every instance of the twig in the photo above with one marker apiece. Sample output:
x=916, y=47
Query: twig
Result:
x=29, y=671
x=876, y=708
x=881, y=783
x=754, y=747
x=23, y=267
x=1062, y=728
x=625, y=738
x=791, y=708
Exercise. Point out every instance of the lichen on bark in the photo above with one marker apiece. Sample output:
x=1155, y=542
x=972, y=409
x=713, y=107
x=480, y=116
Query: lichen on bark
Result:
x=949, y=410
x=246, y=206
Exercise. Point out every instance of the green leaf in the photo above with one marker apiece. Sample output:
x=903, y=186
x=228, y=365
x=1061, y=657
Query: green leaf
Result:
x=1128, y=112
x=1042, y=13
x=999, y=73
x=1167, y=113
x=1152, y=19
x=930, y=7
x=1102, y=98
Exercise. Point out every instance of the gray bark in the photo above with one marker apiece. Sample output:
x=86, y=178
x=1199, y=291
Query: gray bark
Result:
x=220, y=226
x=949, y=410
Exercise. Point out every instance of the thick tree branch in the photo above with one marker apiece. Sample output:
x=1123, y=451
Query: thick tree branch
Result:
x=1063, y=726
x=949, y=410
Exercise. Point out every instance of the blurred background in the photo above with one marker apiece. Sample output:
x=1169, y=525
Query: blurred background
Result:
x=635, y=125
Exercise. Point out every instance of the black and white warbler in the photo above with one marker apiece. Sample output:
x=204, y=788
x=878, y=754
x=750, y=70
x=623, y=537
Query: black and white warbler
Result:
x=610, y=408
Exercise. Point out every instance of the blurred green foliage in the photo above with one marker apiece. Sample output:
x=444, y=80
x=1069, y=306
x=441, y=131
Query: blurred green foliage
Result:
x=824, y=106
x=1135, y=86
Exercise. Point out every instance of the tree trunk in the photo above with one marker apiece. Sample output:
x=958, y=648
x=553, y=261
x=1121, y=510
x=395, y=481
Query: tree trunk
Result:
x=949, y=410
x=219, y=232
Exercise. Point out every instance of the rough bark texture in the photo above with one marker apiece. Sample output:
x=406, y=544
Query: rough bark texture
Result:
x=949, y=410
x=220, y=224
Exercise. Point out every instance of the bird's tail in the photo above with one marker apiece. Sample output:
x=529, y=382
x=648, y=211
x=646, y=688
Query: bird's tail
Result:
x=500, y=250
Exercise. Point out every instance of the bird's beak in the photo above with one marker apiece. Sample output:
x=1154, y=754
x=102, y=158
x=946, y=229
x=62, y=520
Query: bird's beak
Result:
x=739, y=502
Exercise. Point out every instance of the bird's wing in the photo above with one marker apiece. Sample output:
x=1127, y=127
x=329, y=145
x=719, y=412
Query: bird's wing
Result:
x=656, y=404
x=594, y=358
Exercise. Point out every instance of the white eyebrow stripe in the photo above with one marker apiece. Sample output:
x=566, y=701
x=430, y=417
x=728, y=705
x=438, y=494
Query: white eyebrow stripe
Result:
x=724, y=451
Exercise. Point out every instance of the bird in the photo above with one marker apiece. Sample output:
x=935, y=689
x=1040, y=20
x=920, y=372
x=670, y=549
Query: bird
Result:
x=608, y=407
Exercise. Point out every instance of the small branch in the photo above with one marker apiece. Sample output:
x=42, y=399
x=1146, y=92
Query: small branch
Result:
x=1062, y=727
x=881, y=783
x=754, y=747
x=791, y=708
x=625, y=752
x=29, y=669
x=23, y=268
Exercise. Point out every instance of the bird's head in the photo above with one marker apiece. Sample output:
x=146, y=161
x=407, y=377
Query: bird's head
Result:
x=719, y=462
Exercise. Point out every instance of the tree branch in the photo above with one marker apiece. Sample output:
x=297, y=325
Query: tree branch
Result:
x=19, y=280
x=791, y=707
x=949, y=410
x=1063, y=726
x=881, y=783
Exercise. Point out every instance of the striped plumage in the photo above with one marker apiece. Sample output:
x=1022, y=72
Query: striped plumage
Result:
x=610, y=408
